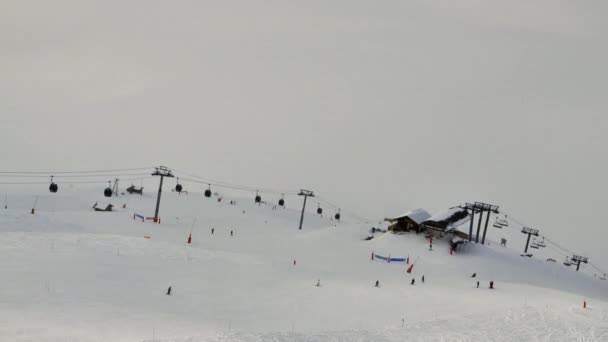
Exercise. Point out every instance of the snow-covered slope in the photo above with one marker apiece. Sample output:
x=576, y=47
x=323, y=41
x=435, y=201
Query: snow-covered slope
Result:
x=74, y=274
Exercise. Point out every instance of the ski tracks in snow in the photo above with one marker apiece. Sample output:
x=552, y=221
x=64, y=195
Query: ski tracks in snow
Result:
x=526, y=323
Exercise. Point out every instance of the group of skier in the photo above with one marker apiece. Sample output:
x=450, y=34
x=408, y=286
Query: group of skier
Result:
x=213, y=232
x=491, y=281
x=411, y=283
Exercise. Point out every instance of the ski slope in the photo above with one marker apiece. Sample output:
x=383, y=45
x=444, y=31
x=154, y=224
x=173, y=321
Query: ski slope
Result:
x=72, y=274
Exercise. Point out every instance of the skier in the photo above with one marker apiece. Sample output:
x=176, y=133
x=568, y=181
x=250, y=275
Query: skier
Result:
x=377, y=283
x=491, y=284
x=423, y=278
x=212, y=231
x=477, y=284
x=169, y=291
x=231, y=233
x=474, y=275
x=319, y=283
x=413, y=281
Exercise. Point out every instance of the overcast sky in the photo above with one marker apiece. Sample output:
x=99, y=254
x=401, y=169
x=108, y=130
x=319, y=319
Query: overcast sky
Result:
x=382, y=106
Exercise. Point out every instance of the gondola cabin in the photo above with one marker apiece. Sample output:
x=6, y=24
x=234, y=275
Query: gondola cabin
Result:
x=53, y=187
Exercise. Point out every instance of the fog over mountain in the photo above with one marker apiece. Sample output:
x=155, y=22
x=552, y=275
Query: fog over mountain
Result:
x=381, y=106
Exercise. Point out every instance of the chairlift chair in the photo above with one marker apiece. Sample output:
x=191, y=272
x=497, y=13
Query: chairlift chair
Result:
x=319, y=209
x=504, y=222
x=282, y=201
x=541, y=243
x=567, y=262
x=178, y=187
x=337, y=216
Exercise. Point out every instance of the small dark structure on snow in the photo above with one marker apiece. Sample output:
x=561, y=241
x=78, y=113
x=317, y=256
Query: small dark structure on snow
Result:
x=107, y=208
x=133, y=190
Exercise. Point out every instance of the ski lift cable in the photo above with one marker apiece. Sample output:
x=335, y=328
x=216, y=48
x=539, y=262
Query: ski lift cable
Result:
x=346, y=211
x=216, y=184
x=75, y=172
x=558, y=246
x=72, y=182
x=69, y=182
x=555, y=244
x=597, y=268
x=205, y=180
x=74, y=175
x=236, y=187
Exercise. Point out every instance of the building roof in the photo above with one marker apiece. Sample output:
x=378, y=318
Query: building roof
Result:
x=418, y=216
x=449, y=219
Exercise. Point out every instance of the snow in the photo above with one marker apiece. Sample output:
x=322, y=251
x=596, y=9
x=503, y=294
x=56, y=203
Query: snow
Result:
x=71, y=274
x=444, y=215
x=417, y=215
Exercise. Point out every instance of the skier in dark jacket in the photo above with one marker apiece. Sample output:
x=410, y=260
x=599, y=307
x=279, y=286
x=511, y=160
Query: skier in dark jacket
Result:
x=474, y=275
x=478, y=284
x=169, y=291
x=413, y=281
x=377, y=283
x=491, y=284
x=423, y=278
x=212, y=231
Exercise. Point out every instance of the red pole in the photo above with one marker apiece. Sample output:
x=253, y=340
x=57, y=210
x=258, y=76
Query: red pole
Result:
x=372, y=255
x=584, y=304
x=190, y=238
x=33, y=211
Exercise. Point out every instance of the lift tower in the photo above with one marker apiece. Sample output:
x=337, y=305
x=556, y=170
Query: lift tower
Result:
x=163, y=172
